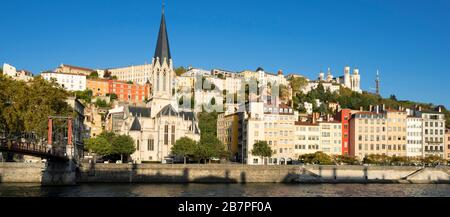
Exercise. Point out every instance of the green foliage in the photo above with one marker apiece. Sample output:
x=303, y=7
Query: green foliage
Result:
x=346, y=160
x=122, y=145
x=384, y=160
x=26, y=107
x=99, y=146
x=262, y=149
x=184, y=147
x=130, y=82
x=208, y=123
x=93, y=75
x=114, y=78
x=180, y=70
x=101, y=103
x=1, y=70
x=210, y=147
x=85, y=96
x=108, y=144
x=298, y=84
x=113, y=97
x=318, y=158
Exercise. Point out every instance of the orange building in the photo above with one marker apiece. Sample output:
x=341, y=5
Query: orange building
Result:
x=99, y=87
x=133, y=93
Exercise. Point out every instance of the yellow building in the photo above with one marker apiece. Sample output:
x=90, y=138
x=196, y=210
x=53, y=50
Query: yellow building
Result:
x=447, y=144
x=380, y=133
x=73, y=70
x=331, y=137
x=228, y=132
x=396, y=133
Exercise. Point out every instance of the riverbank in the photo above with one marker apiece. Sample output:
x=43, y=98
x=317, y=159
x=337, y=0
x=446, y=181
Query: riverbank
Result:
x=158, y=173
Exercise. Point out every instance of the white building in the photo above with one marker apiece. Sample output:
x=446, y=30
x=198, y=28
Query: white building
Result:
x=19, y=75
x=70, y=82
x=331, y=137
x=414, y=138
x=138, y=74
x=307, y=138
x=433, y=132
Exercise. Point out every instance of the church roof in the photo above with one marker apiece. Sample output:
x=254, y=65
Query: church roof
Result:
x=140, y=111
x=136, y=126
x=188, y=116
x=162, y=47
x=167, y=111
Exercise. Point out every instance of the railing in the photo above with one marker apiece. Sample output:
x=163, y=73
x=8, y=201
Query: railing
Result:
x=30, y=143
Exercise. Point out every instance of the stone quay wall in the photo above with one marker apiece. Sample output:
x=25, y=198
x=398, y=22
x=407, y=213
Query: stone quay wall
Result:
x=159, y=173
x=112, y=173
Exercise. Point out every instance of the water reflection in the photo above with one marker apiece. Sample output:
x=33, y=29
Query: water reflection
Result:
x=227, y=190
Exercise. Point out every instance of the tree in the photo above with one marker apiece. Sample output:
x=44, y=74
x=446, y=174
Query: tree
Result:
x=180, y=70
x=107, y=74
x=113, y=96
x=210, y=147
x=122, y=145
x=86, y=95
x=208, y=123
x=318, y=158
x=298, y=84
x=93, y=75
x=393, y=97
x=101, y=103
x=262, y=149
x=98, y=145
x=27, y=106
x=184, y=147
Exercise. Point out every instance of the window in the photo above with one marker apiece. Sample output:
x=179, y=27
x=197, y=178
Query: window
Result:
x=166, y=135
x=173, y=135
x=151, y=145
x=137, y=145
x=255, y=161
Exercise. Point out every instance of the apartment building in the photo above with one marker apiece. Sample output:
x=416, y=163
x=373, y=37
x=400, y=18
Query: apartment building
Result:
x=273, y=123
x=414, y=137
x=433, y=132
x=70, y=82
x=368, y=134
x=331, y=137
x=127, y=92
x=228, y=133
x=447, y=144
x=307, y=138
x=76, y=70
x=396, y=132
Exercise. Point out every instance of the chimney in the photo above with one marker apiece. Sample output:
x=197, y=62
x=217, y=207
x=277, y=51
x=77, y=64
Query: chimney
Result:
x=371, y=108
x=361, y=109
x=378, y=109
x=440, y=109
x=314, y=118
x=420, y=108
x=384, y=107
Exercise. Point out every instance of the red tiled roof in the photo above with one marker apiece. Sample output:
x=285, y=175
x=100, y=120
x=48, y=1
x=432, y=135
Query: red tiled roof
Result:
x=77, y=67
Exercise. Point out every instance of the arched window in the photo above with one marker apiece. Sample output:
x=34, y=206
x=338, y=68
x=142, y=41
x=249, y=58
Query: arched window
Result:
x=165, y=81
x=157, y=82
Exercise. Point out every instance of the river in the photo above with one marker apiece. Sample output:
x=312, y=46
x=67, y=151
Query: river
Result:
x=227, y=190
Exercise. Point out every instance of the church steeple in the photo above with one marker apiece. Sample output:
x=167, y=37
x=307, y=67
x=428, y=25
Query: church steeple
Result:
x=162, y=47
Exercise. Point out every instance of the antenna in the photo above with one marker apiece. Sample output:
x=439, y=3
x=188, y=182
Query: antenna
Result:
x=163, y=6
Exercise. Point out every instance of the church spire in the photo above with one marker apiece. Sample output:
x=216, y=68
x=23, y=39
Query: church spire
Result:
x=162, y=47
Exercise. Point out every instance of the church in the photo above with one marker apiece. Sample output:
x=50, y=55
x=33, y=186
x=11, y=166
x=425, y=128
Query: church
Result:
x=157, y=126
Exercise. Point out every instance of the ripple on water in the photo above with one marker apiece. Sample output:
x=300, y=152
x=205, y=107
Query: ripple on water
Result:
x=227, y=190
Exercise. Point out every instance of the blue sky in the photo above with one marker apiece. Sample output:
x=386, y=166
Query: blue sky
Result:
x=409, y=41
